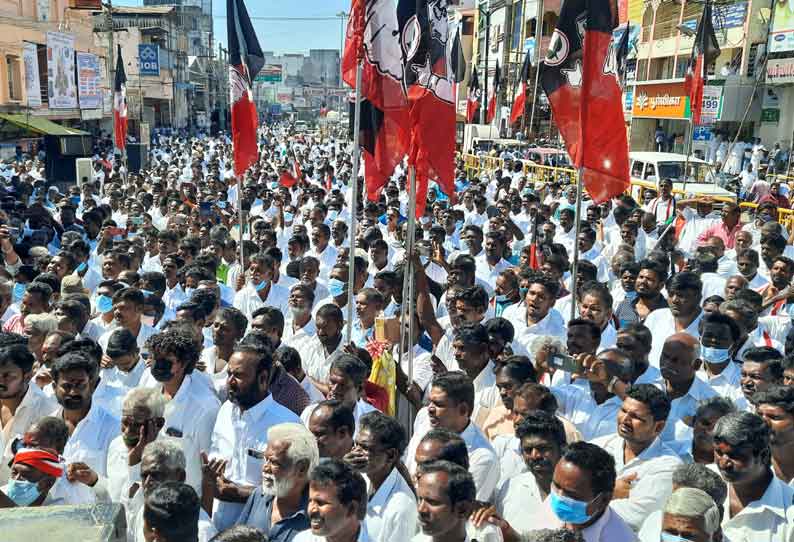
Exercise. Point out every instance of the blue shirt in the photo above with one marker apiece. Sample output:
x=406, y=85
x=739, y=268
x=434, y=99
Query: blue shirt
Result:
x=257, y=513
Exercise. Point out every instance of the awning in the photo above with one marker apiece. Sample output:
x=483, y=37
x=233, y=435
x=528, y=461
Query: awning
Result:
x=40, y=126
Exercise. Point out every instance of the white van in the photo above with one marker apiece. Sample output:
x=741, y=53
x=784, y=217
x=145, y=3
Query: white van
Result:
x=651, y=167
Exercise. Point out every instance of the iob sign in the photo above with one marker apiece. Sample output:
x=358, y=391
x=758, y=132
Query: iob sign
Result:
x=149, y=59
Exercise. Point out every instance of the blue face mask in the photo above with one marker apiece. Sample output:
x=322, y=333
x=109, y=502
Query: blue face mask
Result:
x=22, y=492
x=502, y=298
x=262, y=285
x=631, y=296
x=669, y=537
x=75, y=200
x=189, y=291
x=104, y=304
x=19, y=291
x=522, y=292
x=569, y=510
x=288, y=216
x=714, y=355
x=333, y=215
x=80, y=268
x=423, y=260
x=336, y=287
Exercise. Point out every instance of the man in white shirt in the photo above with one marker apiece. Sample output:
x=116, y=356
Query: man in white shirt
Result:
x=582, y=486
x=643, y=464
x=451, y=403
x=127, y=313
x=21, y=404
x=171, y=512
x=379, y=444
x=684, y=290
x=322, y=249
x=346, y=380
x=536, y=316
x=747, y=263
x=337, y=505
x=240, y=434
x=91, y=427
x=328, y=340
x=759, y=507
x=260, y=290
x=663, y=206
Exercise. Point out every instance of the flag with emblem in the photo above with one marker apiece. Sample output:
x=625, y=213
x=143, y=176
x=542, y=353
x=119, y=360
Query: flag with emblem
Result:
x=579, y=77
x=245, y=61
x=704, y=51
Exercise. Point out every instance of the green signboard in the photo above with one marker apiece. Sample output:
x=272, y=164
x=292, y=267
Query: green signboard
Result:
x=770, y=115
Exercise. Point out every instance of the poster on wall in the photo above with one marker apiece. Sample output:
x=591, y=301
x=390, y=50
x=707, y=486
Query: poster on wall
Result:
x=781, y=36
x=43, y=10
x=89, y=81
x=61, y=87
x=712, y=104
x=32, y=82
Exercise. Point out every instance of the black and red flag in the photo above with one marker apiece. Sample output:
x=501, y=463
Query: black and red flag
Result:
x=473, y=97
x=497, y=78
x=579, y=77
x=458, y=63
x=705, y=50
x=245, y=61
x=373, y=38
x=622, y=55
x=424, y=31
x=520, y=102
x=120, y=103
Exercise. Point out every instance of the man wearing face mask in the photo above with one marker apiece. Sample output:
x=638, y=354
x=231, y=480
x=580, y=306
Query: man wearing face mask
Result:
x=233, y=467
x=719, y=335
x=34, y=471
x=191, y=409
x=581, y=491
x=260, y=290
x=124, y=373
x=127, y=313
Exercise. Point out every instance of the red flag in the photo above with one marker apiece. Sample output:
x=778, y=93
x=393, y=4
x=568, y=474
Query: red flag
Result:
x=372, y=36
x=120, y=103
x=429, y=80
x=291, y=178
x=519, y=104
x=579, y=76
x=473, y=98
x=494, y=93
x=245, y=61
x=704, y=51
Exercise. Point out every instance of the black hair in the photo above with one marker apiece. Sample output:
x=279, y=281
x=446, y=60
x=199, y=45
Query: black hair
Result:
x=173, y=509
x=520, y=372
x=352, y=367
x=739, y=429
x=240, y=533
x=340, y=416
x=656, y=267
x=458, y=387
x=133, y=295
x=552, y=286
x=655, y=399
x=330, y=311
x=350, y=486
x=386, y=429
x=685, y=280
x=472, y=335
x=542, y=424
x=720, y=319
x=766, y=354
x=177, y=343
x=19, y=355
x=592, y=327
x=460, y=483
x=288, y=357
x=595, y=460
x=453, y=447
x=547, y=402
x=274, y=318
x=75, y=361
x=235, y=317
x=779, y=396
x=501, y=327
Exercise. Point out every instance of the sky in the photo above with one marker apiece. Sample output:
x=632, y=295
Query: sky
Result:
x=282, y=36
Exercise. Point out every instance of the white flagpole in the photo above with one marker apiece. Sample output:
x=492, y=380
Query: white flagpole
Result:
x=578, y=226
x=351, y=269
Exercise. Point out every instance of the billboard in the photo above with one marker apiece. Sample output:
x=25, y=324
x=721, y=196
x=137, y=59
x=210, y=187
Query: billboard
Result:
x=665, y=101
x=780, y=71
x=270, y=73
x=89, y=81
x=32, y=82
x=723, y=17
x=712, y=104
x=61, y=87
x=781, y=35
x=149, y=59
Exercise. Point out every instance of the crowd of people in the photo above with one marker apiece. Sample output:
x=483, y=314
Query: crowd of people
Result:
x=175, y=340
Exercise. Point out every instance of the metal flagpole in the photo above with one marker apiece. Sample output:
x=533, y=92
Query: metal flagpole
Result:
x=538, y=35
x=242, y=224
x=688, y=151
x=407, y=305
x=578, y=226
x=351, y=269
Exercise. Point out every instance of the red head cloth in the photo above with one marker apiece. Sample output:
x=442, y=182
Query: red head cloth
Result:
x=42, y=460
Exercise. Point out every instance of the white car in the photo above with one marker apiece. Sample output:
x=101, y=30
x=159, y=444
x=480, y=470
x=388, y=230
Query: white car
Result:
x=648, y=168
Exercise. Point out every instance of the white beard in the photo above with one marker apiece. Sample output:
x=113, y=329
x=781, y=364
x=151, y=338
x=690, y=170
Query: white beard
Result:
x=276, y=488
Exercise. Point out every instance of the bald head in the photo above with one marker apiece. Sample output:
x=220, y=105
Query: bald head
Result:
x=680, y=359
x=686, y=341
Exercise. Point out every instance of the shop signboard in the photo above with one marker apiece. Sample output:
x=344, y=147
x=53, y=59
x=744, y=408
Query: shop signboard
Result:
x=781, y=35
x=61, y=84
x=723, y=17
x=712, y=104
x=770, y=115
x=664, y=101
x=780, y=71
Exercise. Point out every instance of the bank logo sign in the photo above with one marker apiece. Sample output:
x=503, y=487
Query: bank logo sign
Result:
x=149, y=59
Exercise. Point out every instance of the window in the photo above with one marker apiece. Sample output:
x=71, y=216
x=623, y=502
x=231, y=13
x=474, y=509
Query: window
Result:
x=14, y=78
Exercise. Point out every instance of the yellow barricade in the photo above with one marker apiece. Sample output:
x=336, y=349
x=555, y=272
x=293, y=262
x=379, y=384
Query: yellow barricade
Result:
x=535, y=173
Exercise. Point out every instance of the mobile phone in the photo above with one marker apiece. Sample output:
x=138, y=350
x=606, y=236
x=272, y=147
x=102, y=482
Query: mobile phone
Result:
x=565, y=363
x=13, y=232
x=137, y=220
x=118, y=232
